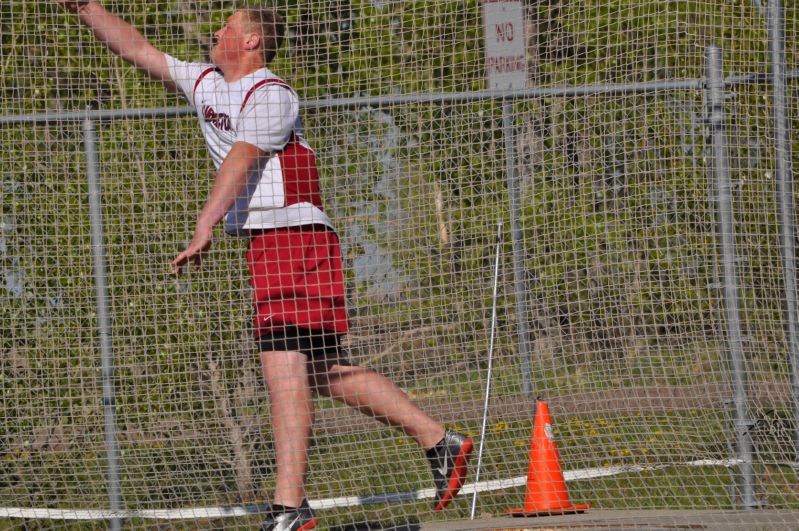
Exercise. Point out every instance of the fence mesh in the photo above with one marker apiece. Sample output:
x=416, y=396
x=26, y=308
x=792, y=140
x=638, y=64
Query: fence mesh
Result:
x=620, y=263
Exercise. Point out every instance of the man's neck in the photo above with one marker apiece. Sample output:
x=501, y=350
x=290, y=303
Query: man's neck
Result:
x=233, y=73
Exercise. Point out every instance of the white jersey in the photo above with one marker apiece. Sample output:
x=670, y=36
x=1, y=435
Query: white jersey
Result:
x=260, y=109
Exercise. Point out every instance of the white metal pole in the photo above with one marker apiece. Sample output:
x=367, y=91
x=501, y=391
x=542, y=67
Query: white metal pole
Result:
x=490, y=362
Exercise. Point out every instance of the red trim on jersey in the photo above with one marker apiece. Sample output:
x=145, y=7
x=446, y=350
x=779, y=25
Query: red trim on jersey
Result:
x=272, y=81
x=197, y=83
x=300, y=176
x=297, y=161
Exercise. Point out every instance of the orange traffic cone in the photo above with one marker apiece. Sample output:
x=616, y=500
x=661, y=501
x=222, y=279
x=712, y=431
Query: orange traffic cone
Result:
x=546, y=488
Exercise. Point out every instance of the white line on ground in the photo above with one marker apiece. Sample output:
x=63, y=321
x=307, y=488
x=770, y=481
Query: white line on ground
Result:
x=191, y=513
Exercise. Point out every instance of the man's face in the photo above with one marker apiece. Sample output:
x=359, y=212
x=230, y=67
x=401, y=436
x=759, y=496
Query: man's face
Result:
x=231, y=41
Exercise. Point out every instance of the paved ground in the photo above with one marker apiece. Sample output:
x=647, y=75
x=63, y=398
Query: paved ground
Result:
x=650, y=520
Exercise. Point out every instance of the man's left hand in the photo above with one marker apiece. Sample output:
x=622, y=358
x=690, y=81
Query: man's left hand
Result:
x=194, y=252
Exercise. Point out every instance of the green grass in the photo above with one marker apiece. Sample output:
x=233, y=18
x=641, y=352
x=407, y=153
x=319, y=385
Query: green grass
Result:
x=380, y=462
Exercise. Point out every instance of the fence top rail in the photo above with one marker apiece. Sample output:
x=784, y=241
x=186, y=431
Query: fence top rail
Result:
x=404, y=99
x=376, y=101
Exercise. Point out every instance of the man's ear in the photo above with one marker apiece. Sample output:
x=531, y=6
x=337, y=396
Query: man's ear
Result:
x=253, y=41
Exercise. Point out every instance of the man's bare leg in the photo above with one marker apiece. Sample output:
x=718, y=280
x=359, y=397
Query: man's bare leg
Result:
x=375, y=395
x=292, y=407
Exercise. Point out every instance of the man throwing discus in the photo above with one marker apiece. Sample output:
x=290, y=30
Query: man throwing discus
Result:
x=266, y=189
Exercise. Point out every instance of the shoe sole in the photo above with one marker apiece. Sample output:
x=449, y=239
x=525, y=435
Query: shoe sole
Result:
x=458, y=475
x=309, y=525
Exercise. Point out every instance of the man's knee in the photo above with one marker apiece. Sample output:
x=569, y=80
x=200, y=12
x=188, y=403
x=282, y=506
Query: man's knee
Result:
x=279, y=368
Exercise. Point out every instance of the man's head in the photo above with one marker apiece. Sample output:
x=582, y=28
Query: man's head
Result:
x=269, y=24
x=249, y=39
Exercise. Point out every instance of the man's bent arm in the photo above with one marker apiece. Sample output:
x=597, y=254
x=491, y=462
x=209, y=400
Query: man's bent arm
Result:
x=230, y=180
x=122, y=39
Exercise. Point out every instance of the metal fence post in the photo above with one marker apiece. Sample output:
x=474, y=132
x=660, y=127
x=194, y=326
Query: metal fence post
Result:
x=729, y=273
x=517, y=239
x=785, y=202
x=103, y=320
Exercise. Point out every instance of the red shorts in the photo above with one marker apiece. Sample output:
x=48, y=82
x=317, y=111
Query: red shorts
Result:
x=298, y=280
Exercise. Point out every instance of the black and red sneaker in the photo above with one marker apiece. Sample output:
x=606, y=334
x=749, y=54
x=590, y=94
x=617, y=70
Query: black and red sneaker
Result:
x=290, y=518
x=449, y=459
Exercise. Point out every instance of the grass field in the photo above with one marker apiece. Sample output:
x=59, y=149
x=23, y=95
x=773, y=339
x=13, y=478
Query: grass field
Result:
x=353, y=456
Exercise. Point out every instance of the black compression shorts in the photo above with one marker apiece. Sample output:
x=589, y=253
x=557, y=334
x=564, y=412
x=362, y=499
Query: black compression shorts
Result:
x=295, y=339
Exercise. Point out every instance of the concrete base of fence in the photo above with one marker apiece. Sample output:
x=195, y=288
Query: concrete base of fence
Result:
x=655, y=519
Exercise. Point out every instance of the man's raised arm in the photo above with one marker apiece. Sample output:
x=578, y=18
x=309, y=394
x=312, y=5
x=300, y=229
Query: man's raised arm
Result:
x=122, y=39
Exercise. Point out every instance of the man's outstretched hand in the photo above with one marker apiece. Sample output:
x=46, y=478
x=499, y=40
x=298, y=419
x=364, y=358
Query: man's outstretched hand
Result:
x=197, y=247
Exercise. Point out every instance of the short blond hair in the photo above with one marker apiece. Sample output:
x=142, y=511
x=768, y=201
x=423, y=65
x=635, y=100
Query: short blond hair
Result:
x=270, y=27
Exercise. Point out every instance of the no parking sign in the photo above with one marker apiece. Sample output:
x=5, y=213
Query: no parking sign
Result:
x=505, y=51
